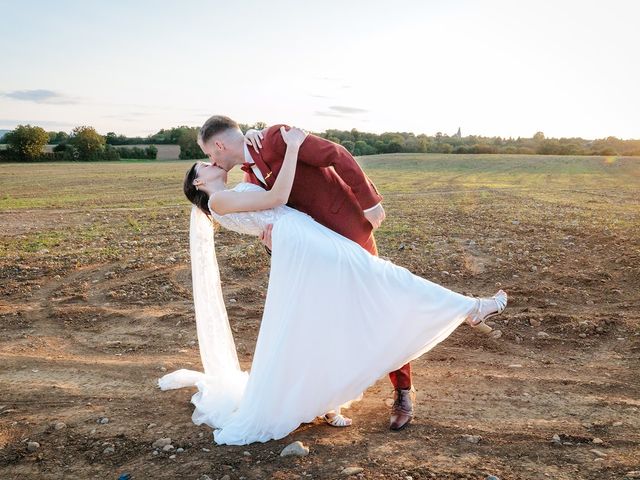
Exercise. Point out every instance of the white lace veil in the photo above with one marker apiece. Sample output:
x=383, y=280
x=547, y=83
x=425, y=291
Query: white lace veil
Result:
x=222, y=383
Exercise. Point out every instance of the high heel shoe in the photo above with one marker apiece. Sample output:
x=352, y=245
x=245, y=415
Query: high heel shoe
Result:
x=337, y=419
x=476, y=321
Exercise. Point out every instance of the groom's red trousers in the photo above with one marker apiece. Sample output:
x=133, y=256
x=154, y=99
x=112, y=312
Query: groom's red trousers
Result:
x=399, y=378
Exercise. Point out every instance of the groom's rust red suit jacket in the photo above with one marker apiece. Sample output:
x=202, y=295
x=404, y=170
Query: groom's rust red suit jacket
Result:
x=329, y=185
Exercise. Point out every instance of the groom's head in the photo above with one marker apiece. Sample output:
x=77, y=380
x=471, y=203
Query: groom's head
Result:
x=221, y=139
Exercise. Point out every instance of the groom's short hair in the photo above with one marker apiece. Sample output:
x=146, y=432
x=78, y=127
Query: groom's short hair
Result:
x=215, y=125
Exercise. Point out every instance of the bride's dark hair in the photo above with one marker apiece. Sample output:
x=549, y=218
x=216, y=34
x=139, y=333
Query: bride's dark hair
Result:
x=195, y=196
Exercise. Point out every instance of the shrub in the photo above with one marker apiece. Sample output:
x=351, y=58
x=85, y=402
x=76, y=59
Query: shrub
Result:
x=25, y=143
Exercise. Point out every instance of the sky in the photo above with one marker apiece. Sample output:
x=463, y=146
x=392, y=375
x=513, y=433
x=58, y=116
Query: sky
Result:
x=491, y=67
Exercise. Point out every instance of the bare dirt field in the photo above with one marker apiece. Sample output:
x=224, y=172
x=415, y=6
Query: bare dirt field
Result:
x=95, y=306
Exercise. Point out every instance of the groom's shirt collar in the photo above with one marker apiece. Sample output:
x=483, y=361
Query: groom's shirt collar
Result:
x=247, y=156
x=249, y=159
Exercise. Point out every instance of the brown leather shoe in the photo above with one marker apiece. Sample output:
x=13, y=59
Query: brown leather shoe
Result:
x=402, y=409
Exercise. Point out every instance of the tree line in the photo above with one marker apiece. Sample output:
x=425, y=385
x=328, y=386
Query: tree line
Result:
x=26, y=143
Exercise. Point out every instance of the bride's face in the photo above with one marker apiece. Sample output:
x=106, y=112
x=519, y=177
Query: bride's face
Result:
x=207, y=172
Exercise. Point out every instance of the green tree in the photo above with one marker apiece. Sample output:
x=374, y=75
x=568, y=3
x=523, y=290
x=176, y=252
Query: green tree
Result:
x=151, y=152
x=188, y=141
x=87, y=142
x=25, y=143
x=56, y=138
x=349, y=145
x=538, y=137
x=111, y=138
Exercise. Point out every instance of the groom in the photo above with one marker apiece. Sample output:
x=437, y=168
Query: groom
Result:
x=329, y=185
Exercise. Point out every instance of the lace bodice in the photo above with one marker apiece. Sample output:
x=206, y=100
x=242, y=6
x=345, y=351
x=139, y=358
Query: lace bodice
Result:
x=251, y=223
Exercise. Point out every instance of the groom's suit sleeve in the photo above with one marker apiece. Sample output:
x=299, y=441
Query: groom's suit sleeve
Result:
x=319, y=152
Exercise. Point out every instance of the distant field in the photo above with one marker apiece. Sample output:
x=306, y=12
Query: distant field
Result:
x=145, y=183
x=165, y=152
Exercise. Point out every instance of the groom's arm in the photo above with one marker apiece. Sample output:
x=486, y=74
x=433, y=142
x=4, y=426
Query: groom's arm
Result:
x=320, y=152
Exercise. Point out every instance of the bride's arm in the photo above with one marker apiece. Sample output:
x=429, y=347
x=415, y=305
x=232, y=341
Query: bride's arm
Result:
x=229, y=201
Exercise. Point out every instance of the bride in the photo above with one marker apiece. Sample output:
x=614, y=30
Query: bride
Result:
x=336, y=318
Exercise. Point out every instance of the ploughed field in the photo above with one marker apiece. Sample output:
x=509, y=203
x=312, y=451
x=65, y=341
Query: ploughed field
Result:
x=96, y=305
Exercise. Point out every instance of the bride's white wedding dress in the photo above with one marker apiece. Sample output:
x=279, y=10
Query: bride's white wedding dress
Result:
x=336, y=319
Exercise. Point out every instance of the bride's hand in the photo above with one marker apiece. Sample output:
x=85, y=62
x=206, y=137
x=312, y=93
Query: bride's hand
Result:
x=294, y=136
x=253, y=137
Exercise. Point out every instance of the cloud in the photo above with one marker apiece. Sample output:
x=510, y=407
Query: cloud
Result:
x=39, y=96
x=343, y=109
x=329, y=79
x=340, y=111
x=329, y=114
x=13, y=123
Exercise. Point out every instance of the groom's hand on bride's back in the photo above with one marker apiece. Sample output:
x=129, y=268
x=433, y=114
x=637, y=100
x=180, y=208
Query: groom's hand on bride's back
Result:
x=265, y=237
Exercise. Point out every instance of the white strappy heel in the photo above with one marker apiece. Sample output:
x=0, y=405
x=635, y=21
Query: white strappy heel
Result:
x=336, y=419
x=476, y=321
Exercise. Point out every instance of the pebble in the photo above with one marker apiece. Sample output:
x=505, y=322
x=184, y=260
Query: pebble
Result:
x=543, y=335
x=295, y=448
x=103, y=420
x=596, y=440
x=161, y=442
x=226, y=477
x=168, y=448
x=151, y=425
x=60, y=425
x=556, y=439
x=33, y=446
x=246, y=454
x=108, y=450
x=172, y=456
x=495, y=333
x=180, y=450
x=617, y=424
x=599, y=453
x=352, y=470
x=155, y=452
x=472, y=438
x=492, y=477
x=515, y=365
